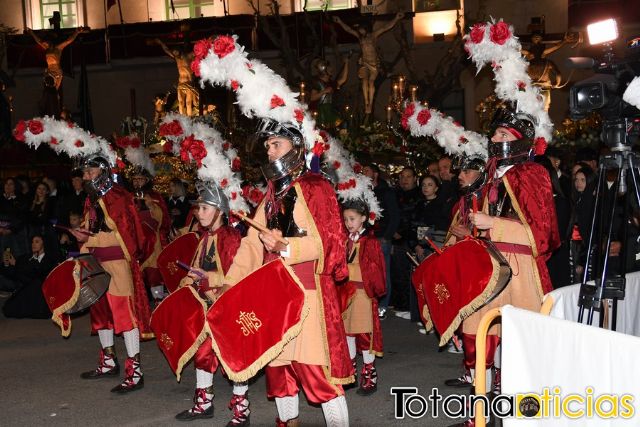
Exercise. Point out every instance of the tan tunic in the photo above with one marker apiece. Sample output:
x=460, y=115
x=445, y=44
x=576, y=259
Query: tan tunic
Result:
x=121, y=283
x=310, y=346
x=215, y=277
x=357, y=317
x=156, y=214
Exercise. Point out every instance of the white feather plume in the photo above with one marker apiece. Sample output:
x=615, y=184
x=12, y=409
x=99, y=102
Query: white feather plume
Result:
x=632, y=93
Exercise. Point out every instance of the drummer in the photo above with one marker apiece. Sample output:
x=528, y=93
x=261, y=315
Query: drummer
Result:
x=113, y=234
x=218, y=244
x=301, y=207
x=518, y=215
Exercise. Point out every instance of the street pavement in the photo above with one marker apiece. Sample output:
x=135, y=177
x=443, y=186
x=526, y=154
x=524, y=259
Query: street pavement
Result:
x=41, y=384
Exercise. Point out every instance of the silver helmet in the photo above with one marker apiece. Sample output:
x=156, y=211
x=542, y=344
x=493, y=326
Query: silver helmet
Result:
x=472, y=163
x=521, y=125
x=210, y=194
x=283, y=171
x=100, y=185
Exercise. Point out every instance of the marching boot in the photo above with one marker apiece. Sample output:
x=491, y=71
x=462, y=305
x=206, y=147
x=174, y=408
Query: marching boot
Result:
x=368, y=380
x=107, y=365
x=464, y=380
x=133, y=379
x=239, y=404
x=202, y=406
x=295, y=422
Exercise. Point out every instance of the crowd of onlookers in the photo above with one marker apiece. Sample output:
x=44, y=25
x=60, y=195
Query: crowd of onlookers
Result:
x=414, y=207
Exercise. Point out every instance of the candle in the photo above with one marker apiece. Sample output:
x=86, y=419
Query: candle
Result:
x=388, y=113
x=414, y=90
x=401, y=85
x=395, y=92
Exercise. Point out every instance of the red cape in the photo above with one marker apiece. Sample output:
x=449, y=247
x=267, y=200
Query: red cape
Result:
x=320, y=198
x=118, y=205
x=165, y=224
x=374, y=276
x=530, y=184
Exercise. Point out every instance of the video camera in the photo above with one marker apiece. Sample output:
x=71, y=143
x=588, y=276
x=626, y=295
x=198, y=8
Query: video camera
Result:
x=603, y=91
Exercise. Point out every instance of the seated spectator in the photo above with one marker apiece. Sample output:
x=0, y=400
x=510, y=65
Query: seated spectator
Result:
x=24, y=276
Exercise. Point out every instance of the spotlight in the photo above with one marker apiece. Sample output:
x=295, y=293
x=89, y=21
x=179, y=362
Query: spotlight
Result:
x=603, y=31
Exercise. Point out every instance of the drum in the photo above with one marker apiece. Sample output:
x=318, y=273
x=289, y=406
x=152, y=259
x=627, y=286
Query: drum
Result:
x=251, y=322
x=181, y=249
x=455, y=283
x=179, y=323
x=72, y=286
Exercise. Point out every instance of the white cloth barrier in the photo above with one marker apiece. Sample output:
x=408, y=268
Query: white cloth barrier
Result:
x=565, y=306
x=541, y=352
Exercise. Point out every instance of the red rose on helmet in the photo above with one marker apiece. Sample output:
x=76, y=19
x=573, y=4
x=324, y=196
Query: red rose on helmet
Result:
x=235, y=85
x=336, y=165
x=318, y=149
x=223, y=45
x=299, y=115
x=500, y=33
x=53, y=141
x=234, y=195
x=201, y=48
x=423, y=117
x=276, y=101
x=235, y=164
x=224, y=183
x=357, y=168
x=18, y=132
x=172, y=128
x=539, y=146
x=477, y=33
x=35, y=127
x=167, y=147
x=79, y=144
x=134, y=142
x=372, y=216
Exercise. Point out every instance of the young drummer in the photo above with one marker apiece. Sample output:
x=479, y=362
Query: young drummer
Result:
x=214, y=254
x=360, y=295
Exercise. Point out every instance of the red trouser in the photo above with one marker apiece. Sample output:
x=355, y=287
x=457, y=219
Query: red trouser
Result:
x=363, y=341
x=469, y=347
x=285, y=380
x=205, y=358
x=112, y=312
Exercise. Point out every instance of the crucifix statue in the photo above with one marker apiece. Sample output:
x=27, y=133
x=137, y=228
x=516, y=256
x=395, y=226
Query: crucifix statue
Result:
x=188, y=96
x=369, y=61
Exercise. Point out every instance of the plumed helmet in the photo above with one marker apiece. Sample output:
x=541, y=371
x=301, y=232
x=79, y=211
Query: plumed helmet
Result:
x=472, y=163
x=268, y=128
x=210, y=194
x=522, y=126
x=100, y=185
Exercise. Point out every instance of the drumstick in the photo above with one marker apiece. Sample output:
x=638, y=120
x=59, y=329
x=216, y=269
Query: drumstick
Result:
x=258, y=226
x=433, y=245
x=474, y=202
x=412, y=258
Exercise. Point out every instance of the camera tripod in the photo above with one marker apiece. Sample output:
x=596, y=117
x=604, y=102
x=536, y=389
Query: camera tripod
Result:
x=609, y=286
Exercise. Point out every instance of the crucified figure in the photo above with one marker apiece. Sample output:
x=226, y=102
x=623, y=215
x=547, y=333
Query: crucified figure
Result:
x=53, y=54
x=188, y=96
x=369, y=61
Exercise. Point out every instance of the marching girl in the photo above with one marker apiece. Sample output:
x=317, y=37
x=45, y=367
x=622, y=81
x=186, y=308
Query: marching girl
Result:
x=359, y=296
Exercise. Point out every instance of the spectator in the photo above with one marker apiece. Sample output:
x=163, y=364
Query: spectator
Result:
x=589, y=156
x=77, y=197
x=40, y=209
x=582, y=196
x=68, y=242
x=56, y=200
x=178, y=204
x=386, y=227
x=429, y=217
x=577, y=167
x=554, y=156
x=12, y=221
x=448, y=183
x=24, y=276
x=433, y=169
x=403, y=292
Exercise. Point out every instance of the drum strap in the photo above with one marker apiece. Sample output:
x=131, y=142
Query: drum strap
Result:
x=513, y=248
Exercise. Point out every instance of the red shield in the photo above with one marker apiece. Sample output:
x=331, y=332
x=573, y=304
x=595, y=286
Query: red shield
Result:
x=61, y=289
x=346, y=292
x=179, y=325
x=452, y=285
x=181, y=249
x=252, y=321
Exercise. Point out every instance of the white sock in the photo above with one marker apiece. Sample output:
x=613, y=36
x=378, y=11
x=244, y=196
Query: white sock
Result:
x=287, y=407
x=204, y=379
x=336, y=413
x=497, y=359
x=351, y=342
x=106, y=337
x=368, y=357
x=132, y=341
x=240, y=388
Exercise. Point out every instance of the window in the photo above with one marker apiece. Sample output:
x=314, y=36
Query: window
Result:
x=190, y=9
x=329, y=4
x=67, y=9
